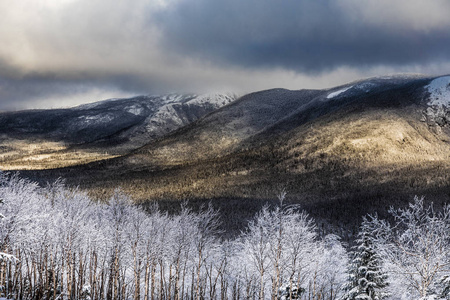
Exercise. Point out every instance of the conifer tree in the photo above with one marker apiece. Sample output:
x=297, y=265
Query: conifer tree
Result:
x=367, y=281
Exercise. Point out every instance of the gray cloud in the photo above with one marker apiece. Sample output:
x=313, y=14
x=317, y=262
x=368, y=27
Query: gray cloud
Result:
x=61, y=53
x=306, y=36
x=38, y=92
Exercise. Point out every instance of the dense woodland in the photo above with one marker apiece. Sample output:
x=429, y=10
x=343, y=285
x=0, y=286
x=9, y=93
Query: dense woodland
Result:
x=57, y=243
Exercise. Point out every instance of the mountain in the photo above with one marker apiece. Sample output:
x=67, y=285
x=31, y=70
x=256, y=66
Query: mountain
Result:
x=340, y=153
x=53, y=138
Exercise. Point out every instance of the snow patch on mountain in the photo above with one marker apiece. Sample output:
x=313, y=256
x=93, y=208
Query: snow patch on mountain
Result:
x=95, y=119
x=166, y=114
x=439, y=90
x=135, y=110
x=356, y=89
x=337, y=93
x=366, y=86
x=168, y=117
x=217, y=100
x=438, y=110
x=172, y=98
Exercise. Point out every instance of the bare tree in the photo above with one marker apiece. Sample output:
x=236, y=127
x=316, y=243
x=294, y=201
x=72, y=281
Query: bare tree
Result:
x=415, y=246
x=70, y=247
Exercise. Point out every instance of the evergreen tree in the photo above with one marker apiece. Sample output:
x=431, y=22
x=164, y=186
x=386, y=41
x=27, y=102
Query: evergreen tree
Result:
x=366, y=277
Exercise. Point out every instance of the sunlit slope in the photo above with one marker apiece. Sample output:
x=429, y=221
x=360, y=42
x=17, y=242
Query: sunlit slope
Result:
x=377, y=152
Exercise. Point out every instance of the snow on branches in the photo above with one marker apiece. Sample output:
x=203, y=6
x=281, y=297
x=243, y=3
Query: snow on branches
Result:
x=70, y=247
x=415, y=247
x=57, y=243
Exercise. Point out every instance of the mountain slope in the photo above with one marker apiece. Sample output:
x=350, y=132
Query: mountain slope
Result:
x=53, y=138
x=261, y=118
x=222, y=132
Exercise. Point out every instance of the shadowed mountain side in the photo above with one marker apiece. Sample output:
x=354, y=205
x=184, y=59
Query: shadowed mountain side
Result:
x=338, y=192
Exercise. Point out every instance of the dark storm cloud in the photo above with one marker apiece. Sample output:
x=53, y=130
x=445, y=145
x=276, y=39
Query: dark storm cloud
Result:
x=305, y=36
x=67, y=52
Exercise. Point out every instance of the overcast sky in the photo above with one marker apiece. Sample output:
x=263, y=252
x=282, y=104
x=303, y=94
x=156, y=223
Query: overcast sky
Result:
x=59, y=53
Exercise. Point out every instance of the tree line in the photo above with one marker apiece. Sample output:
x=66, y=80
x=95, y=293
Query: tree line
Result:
x=57, y=243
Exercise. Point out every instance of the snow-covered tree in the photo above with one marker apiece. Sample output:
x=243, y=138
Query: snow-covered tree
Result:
x=367, y=280
x=444, y=284
x=333, y=262
x=286, y=258
x=70, y=247
x=414, y=247
x=256, y=248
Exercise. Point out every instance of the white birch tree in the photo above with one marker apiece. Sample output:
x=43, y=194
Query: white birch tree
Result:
x=415, y=246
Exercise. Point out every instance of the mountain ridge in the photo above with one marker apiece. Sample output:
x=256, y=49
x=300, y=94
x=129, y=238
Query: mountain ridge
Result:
x=341, y=152
x=113, y=126
x=386, y=120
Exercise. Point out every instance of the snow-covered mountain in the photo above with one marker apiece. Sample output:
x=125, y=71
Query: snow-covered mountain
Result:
x=114, y=126
x=90, y=122
x=438, y=110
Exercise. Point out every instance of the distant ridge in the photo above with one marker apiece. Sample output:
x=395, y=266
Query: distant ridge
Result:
x=36, y=139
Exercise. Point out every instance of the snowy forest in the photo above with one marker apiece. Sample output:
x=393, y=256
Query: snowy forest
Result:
x=57, y=243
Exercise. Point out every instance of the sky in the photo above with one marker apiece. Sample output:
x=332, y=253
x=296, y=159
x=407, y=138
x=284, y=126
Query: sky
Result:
x=61, y=53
